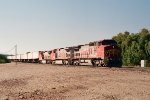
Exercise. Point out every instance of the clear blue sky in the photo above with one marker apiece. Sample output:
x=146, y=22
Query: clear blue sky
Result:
x=46, y=24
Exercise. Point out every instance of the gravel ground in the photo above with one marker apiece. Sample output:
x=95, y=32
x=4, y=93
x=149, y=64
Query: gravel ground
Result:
x=54, y=82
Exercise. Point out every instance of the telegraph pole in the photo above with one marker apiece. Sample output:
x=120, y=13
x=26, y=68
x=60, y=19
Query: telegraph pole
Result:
x=16, y=53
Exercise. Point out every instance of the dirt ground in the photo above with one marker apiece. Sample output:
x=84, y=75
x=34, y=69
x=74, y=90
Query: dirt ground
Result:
x=55, y=82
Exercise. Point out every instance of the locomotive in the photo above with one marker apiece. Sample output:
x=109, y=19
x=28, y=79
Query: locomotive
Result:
x=99, y=53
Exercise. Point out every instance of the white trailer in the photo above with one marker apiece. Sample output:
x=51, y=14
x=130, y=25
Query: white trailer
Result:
x=35, y=55
x=24, y=56
x=29, y=55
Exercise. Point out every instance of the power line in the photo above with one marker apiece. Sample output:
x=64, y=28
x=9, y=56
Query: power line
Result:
x=10, y=50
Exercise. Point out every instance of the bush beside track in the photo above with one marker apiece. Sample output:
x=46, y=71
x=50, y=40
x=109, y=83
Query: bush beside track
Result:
x=3, y=59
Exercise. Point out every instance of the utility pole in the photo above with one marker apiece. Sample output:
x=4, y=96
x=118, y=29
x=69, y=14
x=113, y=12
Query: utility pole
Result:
x=16, y=53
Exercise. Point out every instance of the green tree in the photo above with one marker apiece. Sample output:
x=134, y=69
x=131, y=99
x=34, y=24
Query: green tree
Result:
x=134, y=46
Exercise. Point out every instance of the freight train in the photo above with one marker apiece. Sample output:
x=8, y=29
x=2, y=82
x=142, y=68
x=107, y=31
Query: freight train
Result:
x=99, y=53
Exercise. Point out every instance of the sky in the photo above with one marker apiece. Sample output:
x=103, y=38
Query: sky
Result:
x=35, y=25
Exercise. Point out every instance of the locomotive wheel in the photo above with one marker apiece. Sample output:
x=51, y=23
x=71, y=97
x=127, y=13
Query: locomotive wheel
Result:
x=53, y=62
x=50, y=62
x=106, y=62
x=77, y=63
x=63, y=62
x=97, y=65
x=94, y=63
x=103, y=65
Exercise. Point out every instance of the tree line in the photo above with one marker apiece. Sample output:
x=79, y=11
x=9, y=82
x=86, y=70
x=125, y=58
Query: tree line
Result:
x=135, y=47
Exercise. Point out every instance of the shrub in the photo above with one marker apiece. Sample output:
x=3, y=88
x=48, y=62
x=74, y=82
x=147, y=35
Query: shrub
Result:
x=3, y=59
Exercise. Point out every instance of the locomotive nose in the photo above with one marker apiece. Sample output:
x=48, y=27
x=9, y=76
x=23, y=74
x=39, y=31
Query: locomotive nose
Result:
x=113, y=55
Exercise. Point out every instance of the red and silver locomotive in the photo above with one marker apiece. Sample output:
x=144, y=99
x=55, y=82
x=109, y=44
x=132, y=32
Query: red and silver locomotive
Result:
x=99, y=53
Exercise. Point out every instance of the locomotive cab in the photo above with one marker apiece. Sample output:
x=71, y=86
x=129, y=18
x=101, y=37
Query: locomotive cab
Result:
x=112, y=53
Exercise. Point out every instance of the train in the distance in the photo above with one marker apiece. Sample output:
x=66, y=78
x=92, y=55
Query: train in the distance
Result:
x=99, y=53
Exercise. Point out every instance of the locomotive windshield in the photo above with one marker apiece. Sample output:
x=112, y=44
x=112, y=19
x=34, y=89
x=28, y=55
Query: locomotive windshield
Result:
x=109, y=42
